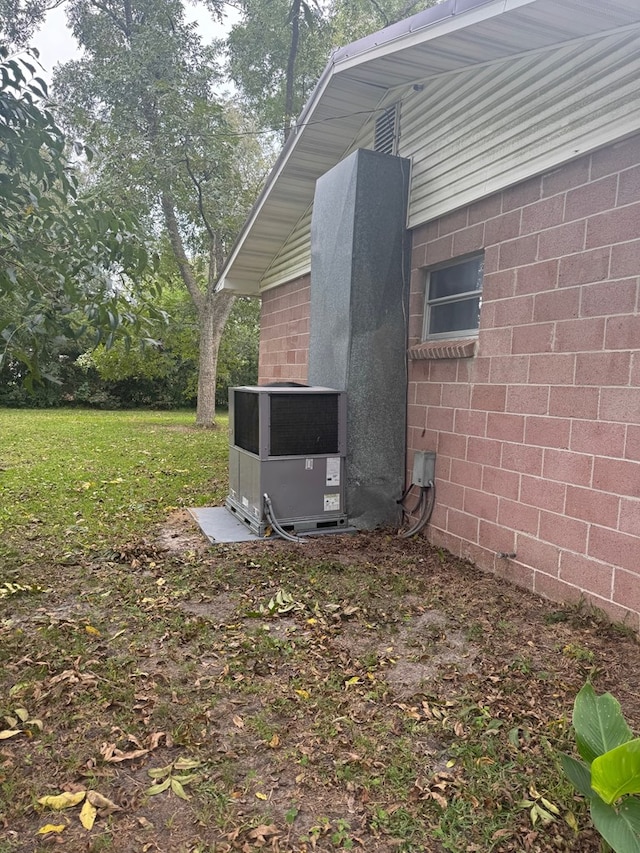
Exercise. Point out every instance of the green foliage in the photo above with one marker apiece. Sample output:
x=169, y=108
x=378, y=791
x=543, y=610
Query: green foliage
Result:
x=598, y=723
x=609, y=775
x=260, y=47
x=19, y=18
x=65, y=257
x=144, y=95
x=238, y=356
x=164, y=375
x=617, y=772
x=138, y=372
x=169, y=148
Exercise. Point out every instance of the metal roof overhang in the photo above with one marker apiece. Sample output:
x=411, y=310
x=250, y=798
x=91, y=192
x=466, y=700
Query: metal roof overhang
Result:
x=446, y=38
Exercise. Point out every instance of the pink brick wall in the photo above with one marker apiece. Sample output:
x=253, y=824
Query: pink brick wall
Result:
x=538, y=435
x=284, y=333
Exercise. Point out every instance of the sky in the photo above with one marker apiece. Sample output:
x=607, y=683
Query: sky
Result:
x=57, y=45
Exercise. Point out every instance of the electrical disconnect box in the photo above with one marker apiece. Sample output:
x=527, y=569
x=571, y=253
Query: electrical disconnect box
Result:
x=288, y=442
x=424, y=467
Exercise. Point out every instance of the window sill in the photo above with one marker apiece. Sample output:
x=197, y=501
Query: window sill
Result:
x=452, y=348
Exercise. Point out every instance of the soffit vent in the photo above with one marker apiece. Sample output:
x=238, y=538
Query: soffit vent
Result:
x=386, y=132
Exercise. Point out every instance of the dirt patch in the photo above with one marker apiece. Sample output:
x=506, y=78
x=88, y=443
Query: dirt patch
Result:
x=219, y=609
x=425, y=648
x=181, y=534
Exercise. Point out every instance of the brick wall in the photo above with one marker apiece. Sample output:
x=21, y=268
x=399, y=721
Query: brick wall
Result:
x=538, y=433
x=284, y=333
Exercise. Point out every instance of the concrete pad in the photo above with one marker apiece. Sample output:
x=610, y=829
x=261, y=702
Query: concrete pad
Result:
x=219, y=525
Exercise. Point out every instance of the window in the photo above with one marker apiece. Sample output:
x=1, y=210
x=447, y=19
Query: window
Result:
x=453, y=297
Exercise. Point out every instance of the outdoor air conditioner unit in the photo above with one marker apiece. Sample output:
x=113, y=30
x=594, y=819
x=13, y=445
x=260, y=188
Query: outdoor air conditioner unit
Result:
x=287, y=442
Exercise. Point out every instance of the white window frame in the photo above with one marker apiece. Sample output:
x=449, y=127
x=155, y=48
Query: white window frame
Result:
x=447, y=300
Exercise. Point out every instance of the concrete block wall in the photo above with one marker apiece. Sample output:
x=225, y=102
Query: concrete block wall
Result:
x=284, y=333
x=537, y=424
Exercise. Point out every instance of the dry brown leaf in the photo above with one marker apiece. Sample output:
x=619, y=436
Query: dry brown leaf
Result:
x=111, y=753
x=74, y=787
x=263, y=832
x=154, y=739
x=440, y=800
x=238, y=721
x=100, y=802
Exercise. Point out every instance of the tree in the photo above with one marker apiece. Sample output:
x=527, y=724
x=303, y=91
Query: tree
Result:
x=64, y=259
x=19, y=18
x=279, y=47
x=276, y=53
x=163, y=375
x=144, y=96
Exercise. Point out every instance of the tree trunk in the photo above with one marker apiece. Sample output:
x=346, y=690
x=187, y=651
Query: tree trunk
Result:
x=291, y=66
x=212, y=309
x=212, y=318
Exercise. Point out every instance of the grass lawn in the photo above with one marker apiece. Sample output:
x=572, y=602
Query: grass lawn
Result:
x=357, y=692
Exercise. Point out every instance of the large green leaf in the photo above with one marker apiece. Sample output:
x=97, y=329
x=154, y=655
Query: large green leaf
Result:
x=578, y=774
x=617, y=772
x=598, y=723
x=620, y=827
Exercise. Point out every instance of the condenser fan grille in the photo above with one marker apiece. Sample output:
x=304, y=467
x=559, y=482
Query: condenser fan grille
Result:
x=247, y=421
x=303, y=424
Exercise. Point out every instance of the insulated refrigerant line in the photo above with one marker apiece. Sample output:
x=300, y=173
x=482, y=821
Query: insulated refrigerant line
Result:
x=273, y=521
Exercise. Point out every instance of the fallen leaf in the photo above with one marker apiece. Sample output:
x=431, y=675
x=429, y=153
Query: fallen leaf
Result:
x=159, y=772
x=263, y=832
x=51, y=827
x=178, y=790
x=154, y=739
x=274, y=742
x=501, y=833
x=91, y=630
x=440, y=800
x=63, y=801
x=96, y=799
x=88, y=815
x=303, y=694
x=261, y=796
x=186, y=764
x=238, y=721
x=159, y=788
x=111, y=753
x=570, y=818
x=7, y=733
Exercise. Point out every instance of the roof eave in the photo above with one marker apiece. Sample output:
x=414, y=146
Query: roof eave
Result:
x=341, y=60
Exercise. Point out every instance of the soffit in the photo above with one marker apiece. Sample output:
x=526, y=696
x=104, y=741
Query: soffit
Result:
x=447, y=38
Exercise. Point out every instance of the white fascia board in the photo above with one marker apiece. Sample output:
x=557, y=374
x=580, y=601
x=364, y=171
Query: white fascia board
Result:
x=427, y=32
x=278, y=169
